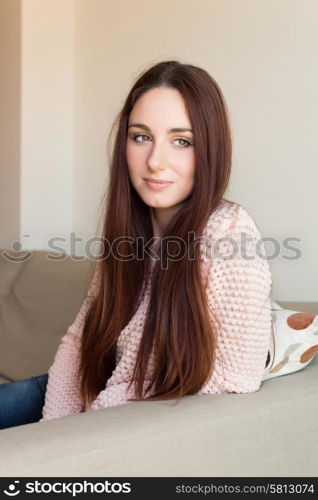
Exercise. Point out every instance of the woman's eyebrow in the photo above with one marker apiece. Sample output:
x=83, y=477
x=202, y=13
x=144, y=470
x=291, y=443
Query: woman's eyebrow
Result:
x=144, y=127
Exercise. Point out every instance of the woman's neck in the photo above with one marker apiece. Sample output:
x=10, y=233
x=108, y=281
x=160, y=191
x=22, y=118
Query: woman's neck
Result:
x=160, y=218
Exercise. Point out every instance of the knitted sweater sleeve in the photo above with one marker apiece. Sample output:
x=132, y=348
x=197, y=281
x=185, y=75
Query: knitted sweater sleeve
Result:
x=62, y=395
x=238, y=289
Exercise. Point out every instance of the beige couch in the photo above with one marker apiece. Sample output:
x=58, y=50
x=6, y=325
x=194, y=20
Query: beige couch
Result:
x=272, y=432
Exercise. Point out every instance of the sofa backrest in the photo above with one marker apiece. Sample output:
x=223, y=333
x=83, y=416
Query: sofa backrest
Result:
x=39, y=298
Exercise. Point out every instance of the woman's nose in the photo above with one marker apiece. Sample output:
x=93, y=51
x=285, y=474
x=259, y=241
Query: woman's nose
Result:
x=156, y=158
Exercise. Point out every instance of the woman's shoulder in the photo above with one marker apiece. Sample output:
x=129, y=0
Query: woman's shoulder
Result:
x=229, y=217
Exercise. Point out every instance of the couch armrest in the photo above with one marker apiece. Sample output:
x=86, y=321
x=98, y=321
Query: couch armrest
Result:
x=203, y=435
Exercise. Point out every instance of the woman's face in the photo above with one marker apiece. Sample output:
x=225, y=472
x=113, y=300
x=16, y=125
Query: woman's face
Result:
x=156, y=150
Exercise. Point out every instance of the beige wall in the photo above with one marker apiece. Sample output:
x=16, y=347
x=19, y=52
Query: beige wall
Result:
x=10, y=62
x=261, y=52
x=47, y=166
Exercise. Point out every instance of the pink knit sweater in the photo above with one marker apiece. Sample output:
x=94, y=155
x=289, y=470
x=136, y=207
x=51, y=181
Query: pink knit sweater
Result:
x=238, y=282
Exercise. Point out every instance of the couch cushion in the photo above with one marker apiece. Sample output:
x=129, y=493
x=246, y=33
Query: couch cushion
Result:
x=306, y=307
x=294, y=341
x=39, y=299
x=4, y=380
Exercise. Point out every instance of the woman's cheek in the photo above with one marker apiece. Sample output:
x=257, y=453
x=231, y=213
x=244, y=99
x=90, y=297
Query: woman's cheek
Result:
x=135, y=158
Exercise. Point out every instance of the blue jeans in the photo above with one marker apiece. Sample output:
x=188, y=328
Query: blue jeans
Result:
x=22, y=402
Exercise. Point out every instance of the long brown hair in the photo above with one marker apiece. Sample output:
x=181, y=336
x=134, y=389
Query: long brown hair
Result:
x=178, y=325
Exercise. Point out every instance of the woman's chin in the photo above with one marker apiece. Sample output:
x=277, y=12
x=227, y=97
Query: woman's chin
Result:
x=155, y=202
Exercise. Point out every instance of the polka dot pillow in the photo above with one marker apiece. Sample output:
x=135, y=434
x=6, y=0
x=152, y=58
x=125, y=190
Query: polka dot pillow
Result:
x=294, y=341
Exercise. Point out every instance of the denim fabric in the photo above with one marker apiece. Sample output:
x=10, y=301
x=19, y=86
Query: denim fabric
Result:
x=22, y=402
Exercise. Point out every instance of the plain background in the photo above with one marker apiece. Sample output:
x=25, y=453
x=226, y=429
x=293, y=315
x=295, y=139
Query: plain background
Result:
x=67, y=66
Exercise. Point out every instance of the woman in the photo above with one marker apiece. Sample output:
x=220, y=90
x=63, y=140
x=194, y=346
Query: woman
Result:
x=179, y=302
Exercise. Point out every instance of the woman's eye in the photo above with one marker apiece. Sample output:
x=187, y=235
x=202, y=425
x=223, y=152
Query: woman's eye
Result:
x=139, y=135
x=185, y=144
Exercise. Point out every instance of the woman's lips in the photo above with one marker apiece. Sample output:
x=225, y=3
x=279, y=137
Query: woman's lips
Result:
x=156, y=186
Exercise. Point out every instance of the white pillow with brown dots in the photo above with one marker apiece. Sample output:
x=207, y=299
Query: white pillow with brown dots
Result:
x=294, y=341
